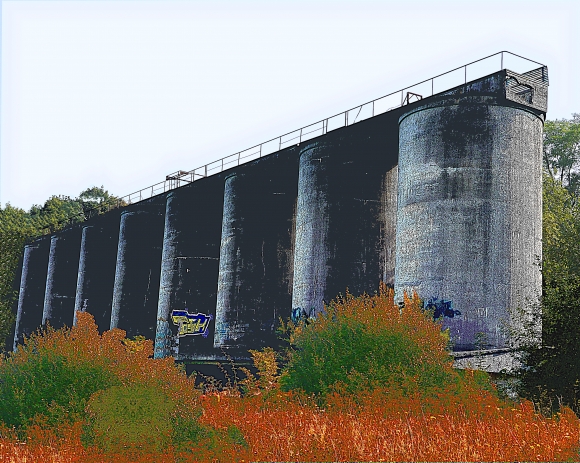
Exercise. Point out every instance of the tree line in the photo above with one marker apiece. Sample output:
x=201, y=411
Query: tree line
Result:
x=552, y=375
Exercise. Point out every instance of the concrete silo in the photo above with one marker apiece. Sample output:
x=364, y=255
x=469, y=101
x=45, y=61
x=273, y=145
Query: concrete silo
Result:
x=189, y=266
x=32, y=288
x=96, y=274
x=254, y=283
x=61, y=277
x=346, y=213
x=138, y=267
x=469, y=224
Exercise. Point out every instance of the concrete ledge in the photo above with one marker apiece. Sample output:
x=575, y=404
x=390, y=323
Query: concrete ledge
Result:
x=491, y=360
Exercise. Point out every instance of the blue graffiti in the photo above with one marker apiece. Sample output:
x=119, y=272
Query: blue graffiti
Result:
x=440, y=308
x=191, y=324
x=302, y=314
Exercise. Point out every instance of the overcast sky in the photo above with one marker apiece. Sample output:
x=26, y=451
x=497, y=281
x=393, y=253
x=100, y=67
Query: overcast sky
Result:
x=122, y=93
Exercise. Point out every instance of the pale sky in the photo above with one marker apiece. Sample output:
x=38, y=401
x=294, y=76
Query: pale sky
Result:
x=122, y=93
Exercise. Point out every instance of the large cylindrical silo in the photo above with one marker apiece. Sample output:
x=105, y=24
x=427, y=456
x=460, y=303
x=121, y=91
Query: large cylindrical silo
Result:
x=96, y=275
x=32, y=289
x=189, y=268
x=61, y=278
x=138, y=266
x=469, y=224
x=254, y=284
x=345, y=214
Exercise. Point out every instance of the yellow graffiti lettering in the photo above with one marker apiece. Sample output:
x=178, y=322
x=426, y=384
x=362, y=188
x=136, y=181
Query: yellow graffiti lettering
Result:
x=189, y=326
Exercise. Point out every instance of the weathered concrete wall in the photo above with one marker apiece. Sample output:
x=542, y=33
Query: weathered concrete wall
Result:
x=63, y=265
x=97, y=262
x=388, y=223
x=32, y=286
x=136, y=288
x=189, y=266
x=469, y=208
x=256, y=253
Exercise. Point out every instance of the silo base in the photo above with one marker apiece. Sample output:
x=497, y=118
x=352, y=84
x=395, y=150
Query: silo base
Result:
x=491, y=360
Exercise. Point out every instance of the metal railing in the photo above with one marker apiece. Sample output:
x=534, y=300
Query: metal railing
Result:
x=427, y=87
x=351, y=116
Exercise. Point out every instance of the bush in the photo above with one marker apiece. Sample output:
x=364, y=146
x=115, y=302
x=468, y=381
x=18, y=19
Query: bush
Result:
x=132, y=417
x=123, y=401
x=366, y=343
x=38, y=381
x=55, y=373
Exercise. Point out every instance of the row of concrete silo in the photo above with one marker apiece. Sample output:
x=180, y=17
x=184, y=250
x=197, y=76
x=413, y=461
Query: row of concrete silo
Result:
x=225, y=246
x=442, y=196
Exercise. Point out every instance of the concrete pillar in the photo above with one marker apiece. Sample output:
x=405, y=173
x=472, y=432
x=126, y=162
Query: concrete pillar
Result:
x=61, y=278
x=189, y=267
x=136, y=287
x=230, y=324
x=470, y=208
x=96, y=275
x=254, y=284
x=32, y=288
x=312, y=249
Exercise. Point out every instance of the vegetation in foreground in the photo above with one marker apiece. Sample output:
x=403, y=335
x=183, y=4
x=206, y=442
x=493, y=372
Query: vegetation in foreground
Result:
x=73, y=395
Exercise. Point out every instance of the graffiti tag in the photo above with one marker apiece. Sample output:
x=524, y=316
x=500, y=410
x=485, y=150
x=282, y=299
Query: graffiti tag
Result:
x=302, y=314
x=191, y=324
x=441, y=308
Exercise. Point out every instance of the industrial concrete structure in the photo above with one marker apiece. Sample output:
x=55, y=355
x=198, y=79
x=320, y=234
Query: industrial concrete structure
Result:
x=440, y=194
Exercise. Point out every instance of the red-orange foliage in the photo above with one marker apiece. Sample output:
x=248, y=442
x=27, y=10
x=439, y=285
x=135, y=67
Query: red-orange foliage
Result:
x=396, y=429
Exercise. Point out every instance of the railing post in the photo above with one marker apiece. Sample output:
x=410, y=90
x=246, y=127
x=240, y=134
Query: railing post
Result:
x=502, y=60
x=346, y=118
x=465, y=69
x=300, y=139
x=239, y=154
x=261, y=149
x=206, y=170
x=280, y=144
x=373, y=109
x=222, y=164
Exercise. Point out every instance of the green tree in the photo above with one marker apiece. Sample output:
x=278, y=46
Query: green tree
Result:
x=16, y=227
x=562, y=151
x=551, y=376
x=98, y=200
x=56, y=213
